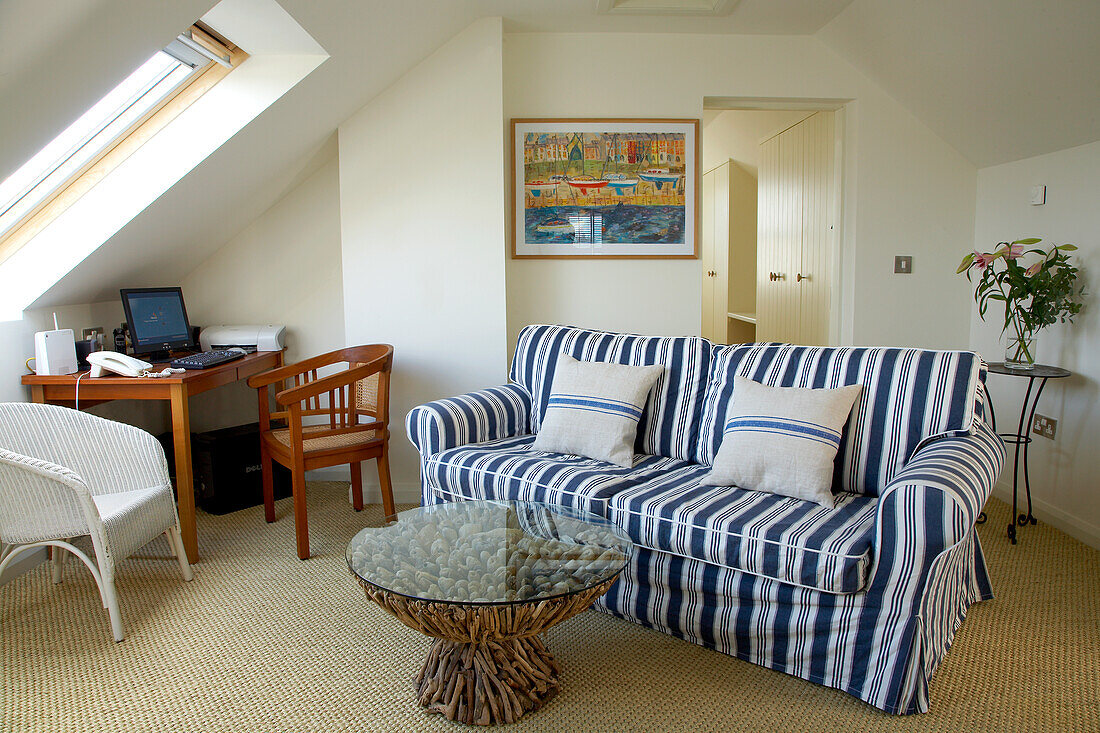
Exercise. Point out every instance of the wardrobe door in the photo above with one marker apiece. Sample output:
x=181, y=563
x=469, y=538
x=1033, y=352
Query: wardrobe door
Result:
x=815, y=270
x=794, y=256
x=768, y=307
x=721, y=268
x=706, y=251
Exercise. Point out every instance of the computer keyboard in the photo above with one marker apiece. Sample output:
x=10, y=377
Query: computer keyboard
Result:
x=205, y=359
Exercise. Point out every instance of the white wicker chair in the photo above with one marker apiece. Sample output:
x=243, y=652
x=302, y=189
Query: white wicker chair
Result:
x=65, y=474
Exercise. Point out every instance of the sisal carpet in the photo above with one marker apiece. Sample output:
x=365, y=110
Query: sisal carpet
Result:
x=263, y=642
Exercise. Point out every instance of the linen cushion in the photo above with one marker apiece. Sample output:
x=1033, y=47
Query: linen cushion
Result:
x=670, y=422
x=783, y=440
x=509, y=469
x=594, y=409
x=910, y=397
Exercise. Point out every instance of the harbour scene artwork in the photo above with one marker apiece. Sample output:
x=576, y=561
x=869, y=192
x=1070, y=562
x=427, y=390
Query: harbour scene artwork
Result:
x=603, y=187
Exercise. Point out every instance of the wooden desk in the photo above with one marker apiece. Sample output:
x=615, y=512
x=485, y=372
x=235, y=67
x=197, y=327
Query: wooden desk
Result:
x=177, y=389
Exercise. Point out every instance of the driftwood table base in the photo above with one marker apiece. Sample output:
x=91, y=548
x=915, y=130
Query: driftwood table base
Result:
x=487, y=666
x=487, y=683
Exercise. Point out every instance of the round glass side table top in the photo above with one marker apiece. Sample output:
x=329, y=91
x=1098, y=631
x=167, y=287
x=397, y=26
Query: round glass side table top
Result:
x=485, y=578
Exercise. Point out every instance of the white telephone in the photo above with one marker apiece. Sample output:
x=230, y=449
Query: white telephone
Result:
x=115, y=363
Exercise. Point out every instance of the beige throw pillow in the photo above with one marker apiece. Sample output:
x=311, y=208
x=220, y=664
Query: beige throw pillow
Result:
x=782, y=440
x=594, y=409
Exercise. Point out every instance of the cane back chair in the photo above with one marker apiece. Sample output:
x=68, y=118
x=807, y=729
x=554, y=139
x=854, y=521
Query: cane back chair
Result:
x=321, y=423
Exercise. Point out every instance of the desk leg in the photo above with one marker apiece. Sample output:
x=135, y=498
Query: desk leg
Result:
x=38, y=394
x=181, y=436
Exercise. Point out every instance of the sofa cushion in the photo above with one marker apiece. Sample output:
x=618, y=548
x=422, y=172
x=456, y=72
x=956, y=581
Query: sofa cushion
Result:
x=670, y=424
x=510, y=469
x=783, y=440
x=909, y=396
x=778, y=537
x=594, y=409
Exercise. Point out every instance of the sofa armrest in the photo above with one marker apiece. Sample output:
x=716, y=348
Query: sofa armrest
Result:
x=489, y=414
x=936, y=499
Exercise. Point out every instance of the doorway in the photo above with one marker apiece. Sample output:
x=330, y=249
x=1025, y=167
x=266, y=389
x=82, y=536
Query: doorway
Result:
x=754, y=224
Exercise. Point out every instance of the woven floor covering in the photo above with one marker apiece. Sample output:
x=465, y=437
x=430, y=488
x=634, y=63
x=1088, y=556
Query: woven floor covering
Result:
x=261, y=641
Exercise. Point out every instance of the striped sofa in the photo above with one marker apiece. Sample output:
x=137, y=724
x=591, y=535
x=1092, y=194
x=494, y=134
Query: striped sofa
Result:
x=864, y=597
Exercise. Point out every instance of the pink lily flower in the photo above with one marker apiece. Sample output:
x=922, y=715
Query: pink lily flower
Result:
x=1030, y=272
x=982, y=261
x=1012, y=251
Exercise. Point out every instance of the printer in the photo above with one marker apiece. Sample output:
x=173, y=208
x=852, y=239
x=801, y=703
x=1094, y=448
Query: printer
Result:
x=249, y=338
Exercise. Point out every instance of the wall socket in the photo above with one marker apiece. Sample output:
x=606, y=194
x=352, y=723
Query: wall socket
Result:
x=1045, y=426
x=903, y=265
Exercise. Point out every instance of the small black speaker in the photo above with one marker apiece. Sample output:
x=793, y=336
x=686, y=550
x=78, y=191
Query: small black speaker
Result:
x=83, y=348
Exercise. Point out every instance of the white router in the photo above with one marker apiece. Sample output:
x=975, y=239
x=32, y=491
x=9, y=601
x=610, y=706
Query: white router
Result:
x=55, y=351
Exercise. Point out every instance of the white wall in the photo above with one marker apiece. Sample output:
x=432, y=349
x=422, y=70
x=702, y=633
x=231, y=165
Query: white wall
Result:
x=1064, y=473
x=422, y=210
x=736, y=134
x=283, y=268
x=907, y=191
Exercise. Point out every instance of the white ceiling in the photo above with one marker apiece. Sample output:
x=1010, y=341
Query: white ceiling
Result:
x=998, y=79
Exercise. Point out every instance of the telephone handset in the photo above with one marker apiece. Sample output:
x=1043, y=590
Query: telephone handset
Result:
x=111, y=361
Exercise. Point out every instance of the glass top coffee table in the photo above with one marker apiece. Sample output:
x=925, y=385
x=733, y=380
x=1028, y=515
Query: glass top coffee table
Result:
x=485, y=578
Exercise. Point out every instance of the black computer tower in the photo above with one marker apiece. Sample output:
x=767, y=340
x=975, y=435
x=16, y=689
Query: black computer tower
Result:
x=227, y=470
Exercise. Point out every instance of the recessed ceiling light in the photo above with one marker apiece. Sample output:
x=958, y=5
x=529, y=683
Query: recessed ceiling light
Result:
x=666, y=7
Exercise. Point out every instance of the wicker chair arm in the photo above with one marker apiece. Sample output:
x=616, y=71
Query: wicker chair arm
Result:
x=43, y=500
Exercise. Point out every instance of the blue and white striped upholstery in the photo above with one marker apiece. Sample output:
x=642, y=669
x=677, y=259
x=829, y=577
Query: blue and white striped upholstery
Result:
x=865, y=598
x=509, y=469
x=670, y=424
x=489, y=414
x=909, y=396
x=881, y=645
x=795, y=541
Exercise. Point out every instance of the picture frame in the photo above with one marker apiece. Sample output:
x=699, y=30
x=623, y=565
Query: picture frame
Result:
x=610, y=188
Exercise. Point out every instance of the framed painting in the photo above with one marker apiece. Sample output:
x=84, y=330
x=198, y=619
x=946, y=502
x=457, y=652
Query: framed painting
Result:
x=611, y=188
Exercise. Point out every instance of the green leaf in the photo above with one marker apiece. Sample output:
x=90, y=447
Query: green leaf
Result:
x=1067, y=247
x=1029, y=240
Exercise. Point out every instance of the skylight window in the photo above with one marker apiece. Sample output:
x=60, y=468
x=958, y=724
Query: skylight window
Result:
x=97, y=141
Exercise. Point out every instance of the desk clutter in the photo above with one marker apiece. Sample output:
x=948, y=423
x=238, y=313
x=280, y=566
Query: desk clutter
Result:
x=157, y=328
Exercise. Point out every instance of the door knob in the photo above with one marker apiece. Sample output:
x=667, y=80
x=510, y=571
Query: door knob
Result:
x=772, y=276
x=802, y=277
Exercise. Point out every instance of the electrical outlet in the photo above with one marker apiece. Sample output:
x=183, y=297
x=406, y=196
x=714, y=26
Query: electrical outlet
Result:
x=903, y=265
x=1044, y=426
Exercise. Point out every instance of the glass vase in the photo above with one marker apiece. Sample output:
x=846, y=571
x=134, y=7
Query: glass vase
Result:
x=1019, y=351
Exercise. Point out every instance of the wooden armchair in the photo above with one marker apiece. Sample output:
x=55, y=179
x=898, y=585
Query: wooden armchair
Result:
x=360, y=390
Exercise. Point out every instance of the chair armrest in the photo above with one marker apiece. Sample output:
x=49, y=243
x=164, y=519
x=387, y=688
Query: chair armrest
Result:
x=328, y=384
x=42, y=500
x=489, y=414
x=289, y=370
x=936, y=498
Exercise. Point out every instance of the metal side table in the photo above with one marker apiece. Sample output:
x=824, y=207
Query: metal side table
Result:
x=1021, y=438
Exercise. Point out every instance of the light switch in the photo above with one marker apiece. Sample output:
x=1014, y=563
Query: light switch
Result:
x=1038, y=195
x=903, y=265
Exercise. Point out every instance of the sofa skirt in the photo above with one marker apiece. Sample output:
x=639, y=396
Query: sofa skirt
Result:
x=820, y=637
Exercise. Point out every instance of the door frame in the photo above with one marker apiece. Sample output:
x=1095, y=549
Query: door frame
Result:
x=842, y=207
